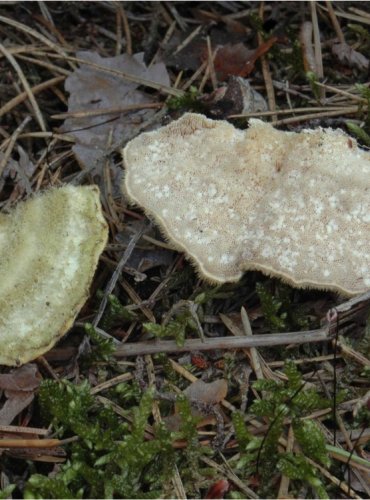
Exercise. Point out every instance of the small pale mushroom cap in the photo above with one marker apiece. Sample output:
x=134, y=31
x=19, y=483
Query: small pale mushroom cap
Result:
x=292, y=205
x=49, y=250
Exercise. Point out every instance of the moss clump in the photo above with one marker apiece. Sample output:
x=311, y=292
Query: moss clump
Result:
x=262, y=457
x=111, y=457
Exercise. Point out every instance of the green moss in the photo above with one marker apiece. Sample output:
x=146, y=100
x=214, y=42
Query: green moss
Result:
x=102, y=348
x=111, y=458
x=7, y=491
x=278, y=309
x=188, y=102
x=115, y=313
x=283, y=400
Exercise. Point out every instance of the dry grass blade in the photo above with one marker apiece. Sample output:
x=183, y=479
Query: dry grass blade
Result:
x=26, y=86
x=34, y=34
x=6, y=108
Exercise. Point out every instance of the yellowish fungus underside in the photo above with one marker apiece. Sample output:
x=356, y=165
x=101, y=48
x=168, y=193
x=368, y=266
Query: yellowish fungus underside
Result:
x=49, y=250
x=292, y=205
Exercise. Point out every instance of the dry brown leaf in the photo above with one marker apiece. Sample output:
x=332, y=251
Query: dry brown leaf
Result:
x=26, y=378
x=237, y=60
x=19, y=385
x=91, y=89
x=207, y=393
x=347, y=55
x=199, y=393
x=20, y=171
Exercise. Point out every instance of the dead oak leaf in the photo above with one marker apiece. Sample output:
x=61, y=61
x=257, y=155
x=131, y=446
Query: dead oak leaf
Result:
x=19, y=386
x=93, y=89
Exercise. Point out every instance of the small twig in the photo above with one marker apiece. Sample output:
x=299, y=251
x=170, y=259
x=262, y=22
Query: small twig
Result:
x=128, y=77
x=35, y=34
x=311, y=116
x=112, y=282
x=126, y=28
x=345, y=15
x=211, y=57
x=188, y=39
x=13, y=139
x=291, y=111
x=18, y=429
x=266, y=71
x=105, y=111
x=118, y=30
x=256, y=365
x=285, y=481
x=335, y=21
x=305, y=36
x=29, y=443
x=268, y=340
x=317, y=43
x=24, y=95
x=26, y=86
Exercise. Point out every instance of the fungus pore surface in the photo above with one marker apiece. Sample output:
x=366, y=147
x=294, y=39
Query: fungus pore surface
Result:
x=292, y=205
x=49, y=250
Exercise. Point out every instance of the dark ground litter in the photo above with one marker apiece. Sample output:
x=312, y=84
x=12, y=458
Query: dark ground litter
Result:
x=251, y=422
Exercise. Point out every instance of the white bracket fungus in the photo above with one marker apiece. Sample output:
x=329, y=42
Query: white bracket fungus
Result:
x=49, y=250
x=292, y=205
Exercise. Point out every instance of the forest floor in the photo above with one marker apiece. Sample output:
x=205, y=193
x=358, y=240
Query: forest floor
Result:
x=166, y=386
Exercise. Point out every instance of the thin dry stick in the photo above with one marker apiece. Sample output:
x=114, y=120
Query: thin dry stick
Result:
x=26, y=86
x=24, y=48
x=305, y=36
x=189, y=82
x=188, y=39
x=129, y=77
x=118, y=30
x=351, y=17
x=211, y=56
x=291, y=111
x=350, y=110
x=317, y=43
x=178, y=484
x=44, y=64
x=124, y=377
x=137, y=300
x=335, y=21
x=29, y=443
x=112, y=282
x=204, y=79
x=348, y=352
x=230, y=474
x=285, y=481
x=24, y=95
x=18, y=429
x=360, y=12
x=35, y=34
x=163, y=346
x=150, y=370
x=166, y=39
x=342, y=92
x=256, y=365
x=106, y=111
x=11, y=143
x=126, y=28
x=341, y=484
x=266, y=71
